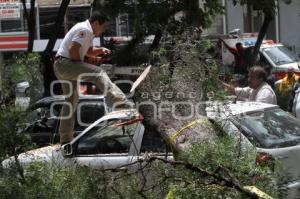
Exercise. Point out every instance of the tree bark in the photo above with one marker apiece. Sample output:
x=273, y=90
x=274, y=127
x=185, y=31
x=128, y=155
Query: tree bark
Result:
x=30, y=18
x=156, y=40
x=31, y=26
x=263, y=30
x=47, y=56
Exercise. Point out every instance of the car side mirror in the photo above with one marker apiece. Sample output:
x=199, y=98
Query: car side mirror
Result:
x=67, y=150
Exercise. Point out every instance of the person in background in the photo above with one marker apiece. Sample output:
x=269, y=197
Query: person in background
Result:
x=271, y=79
x=258, y=90
x=285, y=87
x=294, y=100
x=69, y=66
x=241, y=57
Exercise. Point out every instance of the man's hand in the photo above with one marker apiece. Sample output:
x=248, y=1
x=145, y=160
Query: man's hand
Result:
x=94, y=51
x=228, y=87
x=104, y=51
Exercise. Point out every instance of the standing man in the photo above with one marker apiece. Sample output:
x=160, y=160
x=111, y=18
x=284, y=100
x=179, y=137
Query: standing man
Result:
x=70, y=66
x=285, y=88
x=241, y=57
x=258, y=90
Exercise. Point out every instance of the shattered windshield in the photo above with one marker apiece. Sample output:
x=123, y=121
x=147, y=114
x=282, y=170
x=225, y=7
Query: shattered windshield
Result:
x=115, y=136
x=280, y=55
x=273, y=128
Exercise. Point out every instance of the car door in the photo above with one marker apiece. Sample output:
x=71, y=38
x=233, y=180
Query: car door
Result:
x=110, y=146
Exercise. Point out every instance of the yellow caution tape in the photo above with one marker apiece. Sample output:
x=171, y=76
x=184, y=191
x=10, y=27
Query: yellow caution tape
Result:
x=188, y=126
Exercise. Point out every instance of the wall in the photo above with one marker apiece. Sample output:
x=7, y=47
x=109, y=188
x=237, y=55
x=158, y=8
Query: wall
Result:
x=234, y=17
x=289, y=25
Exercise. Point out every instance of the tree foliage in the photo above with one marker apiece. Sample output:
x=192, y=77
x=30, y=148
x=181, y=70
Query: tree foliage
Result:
x=211, y=171
x=160, y=18
x=22, y=67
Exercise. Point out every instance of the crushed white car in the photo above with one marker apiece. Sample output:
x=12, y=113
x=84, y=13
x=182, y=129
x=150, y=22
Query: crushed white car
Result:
x=117, y=139
x=273, y=132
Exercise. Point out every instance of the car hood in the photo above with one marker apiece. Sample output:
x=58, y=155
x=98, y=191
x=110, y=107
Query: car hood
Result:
x=44, y=154
x=285, y=67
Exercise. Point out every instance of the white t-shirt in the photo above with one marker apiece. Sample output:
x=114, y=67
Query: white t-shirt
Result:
x=81, y=33
x=263, y=93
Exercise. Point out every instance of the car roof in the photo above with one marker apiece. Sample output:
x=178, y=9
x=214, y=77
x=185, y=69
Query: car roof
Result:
x=47, y=101
x=228, y=108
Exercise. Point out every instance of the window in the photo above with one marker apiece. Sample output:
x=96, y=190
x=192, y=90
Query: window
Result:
x=47, y=20
x=74, y=14
x=271, y=128
x=87, y=113
x=11, y=26
x=263, y=61
x=153, y=142
x=77, y=14
x=111, y=138
x=280, y=55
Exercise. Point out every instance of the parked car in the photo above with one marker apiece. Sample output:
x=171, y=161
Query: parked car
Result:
x=119, y=138
x=43, y=119
x=279, y=58
x=273, y=132
x=116, y=139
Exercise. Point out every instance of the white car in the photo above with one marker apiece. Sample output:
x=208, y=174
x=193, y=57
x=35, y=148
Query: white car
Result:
x=119, y=138
x=274, y=132
x=280, y=58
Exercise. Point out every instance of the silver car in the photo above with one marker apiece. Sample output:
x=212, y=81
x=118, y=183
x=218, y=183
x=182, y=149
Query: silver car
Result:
x=273, y=132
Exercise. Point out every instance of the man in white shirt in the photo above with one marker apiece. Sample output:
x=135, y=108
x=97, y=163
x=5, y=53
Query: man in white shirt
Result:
x=258, y=90
x=70, y=66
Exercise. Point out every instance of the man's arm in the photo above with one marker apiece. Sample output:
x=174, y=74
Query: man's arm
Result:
x=230, y=88
x=241, y=93
x=231, y=49
x=93, y=53
x=74, y=51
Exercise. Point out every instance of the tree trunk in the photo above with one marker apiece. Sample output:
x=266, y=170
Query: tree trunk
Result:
x=47, y=56
x=31, y=26
x=263, y=30
x=30, y=18
x=156, y=40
